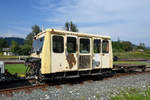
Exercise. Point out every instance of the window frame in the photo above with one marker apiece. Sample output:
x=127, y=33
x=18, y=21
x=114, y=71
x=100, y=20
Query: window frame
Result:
x=40, y=43
x=60, y=42
x=89, y=49
x=106, y=47
x=75, y=43
x=100, y=46
x=37, y=44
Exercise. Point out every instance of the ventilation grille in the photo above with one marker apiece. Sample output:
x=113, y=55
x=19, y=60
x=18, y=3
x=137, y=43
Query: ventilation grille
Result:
x=84, y=61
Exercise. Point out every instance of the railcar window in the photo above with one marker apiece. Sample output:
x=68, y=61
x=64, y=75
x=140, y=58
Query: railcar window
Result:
x=71, y=44
x=34, y=46
x=105, y=46
x=58, y=44
x=84, y=45
x=38, y=44
x=97, y=46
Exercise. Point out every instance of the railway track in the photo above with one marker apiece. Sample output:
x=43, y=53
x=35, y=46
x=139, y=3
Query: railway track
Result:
x=130, y=73
x=70, y=82
x=26, y=89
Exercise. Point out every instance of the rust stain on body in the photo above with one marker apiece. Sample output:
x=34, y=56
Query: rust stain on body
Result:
x=71, y=60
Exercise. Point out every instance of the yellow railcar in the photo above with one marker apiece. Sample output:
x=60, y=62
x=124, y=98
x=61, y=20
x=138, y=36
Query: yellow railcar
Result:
x=59, y=53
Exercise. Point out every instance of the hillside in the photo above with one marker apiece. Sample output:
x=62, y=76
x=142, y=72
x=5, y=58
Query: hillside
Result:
x=16, y=39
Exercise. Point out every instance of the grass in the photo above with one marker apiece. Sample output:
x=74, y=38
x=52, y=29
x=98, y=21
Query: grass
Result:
x=132, y=62
x=16, y=68
x=6, y=57
x=20, y=68
x=133, y=94
x=133, y=55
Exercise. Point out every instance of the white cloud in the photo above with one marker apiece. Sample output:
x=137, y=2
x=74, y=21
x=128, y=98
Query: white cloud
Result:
x=12, y=34
x=83, y=11
x=16, y=31
x=127, y=19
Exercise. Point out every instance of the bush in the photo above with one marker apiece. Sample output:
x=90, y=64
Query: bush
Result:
x=122, y=46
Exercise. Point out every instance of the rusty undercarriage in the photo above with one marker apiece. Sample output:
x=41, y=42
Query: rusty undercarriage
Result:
x=34, y=70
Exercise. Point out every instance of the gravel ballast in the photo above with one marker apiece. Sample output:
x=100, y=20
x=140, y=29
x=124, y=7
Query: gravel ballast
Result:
x=93, y=90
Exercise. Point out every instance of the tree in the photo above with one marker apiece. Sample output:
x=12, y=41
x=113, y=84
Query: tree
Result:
x=122, y=46
x=29, y=38
x=35, y=30
x=69, y=26
x=15, y=48
x=3, y=44
x=127, y=46
x=25, y=49
x=117, y=46
x=141, y=46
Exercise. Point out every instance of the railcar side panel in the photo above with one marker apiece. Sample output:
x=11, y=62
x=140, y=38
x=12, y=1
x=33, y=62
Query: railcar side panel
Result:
x=57, y=53
x=110, y=55
x=106, y=53
x=46, y=55
x=70, y=52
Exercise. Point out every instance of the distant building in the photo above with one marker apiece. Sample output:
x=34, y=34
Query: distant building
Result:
x=140, y=50
x=7, y=52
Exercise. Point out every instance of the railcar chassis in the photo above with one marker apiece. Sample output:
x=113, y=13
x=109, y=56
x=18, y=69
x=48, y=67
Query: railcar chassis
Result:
x=33, y=69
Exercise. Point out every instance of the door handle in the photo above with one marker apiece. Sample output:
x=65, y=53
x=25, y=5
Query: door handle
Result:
x=103, y=54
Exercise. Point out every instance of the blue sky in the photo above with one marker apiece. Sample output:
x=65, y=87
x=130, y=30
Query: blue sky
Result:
x=125, y=19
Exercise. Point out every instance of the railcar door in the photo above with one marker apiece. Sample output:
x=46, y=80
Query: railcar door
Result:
x=105, y=54
x=97, y=56
x=57, y=53
x=84, y=53
x=71, y=53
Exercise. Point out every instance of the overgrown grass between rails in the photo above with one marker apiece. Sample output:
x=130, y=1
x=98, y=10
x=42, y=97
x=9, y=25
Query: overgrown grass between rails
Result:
x=133, y=55
x=133, y=94
x=133, y=62
x=16, y=68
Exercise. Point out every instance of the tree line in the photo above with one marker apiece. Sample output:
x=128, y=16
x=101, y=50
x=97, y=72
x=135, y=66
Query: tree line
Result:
x=126, y=46
x=26, y=48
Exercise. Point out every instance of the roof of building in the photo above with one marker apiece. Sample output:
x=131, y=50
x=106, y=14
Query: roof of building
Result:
x=6, y=49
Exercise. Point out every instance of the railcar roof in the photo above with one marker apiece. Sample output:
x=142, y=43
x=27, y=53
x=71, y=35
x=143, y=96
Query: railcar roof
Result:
x=72, y=33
